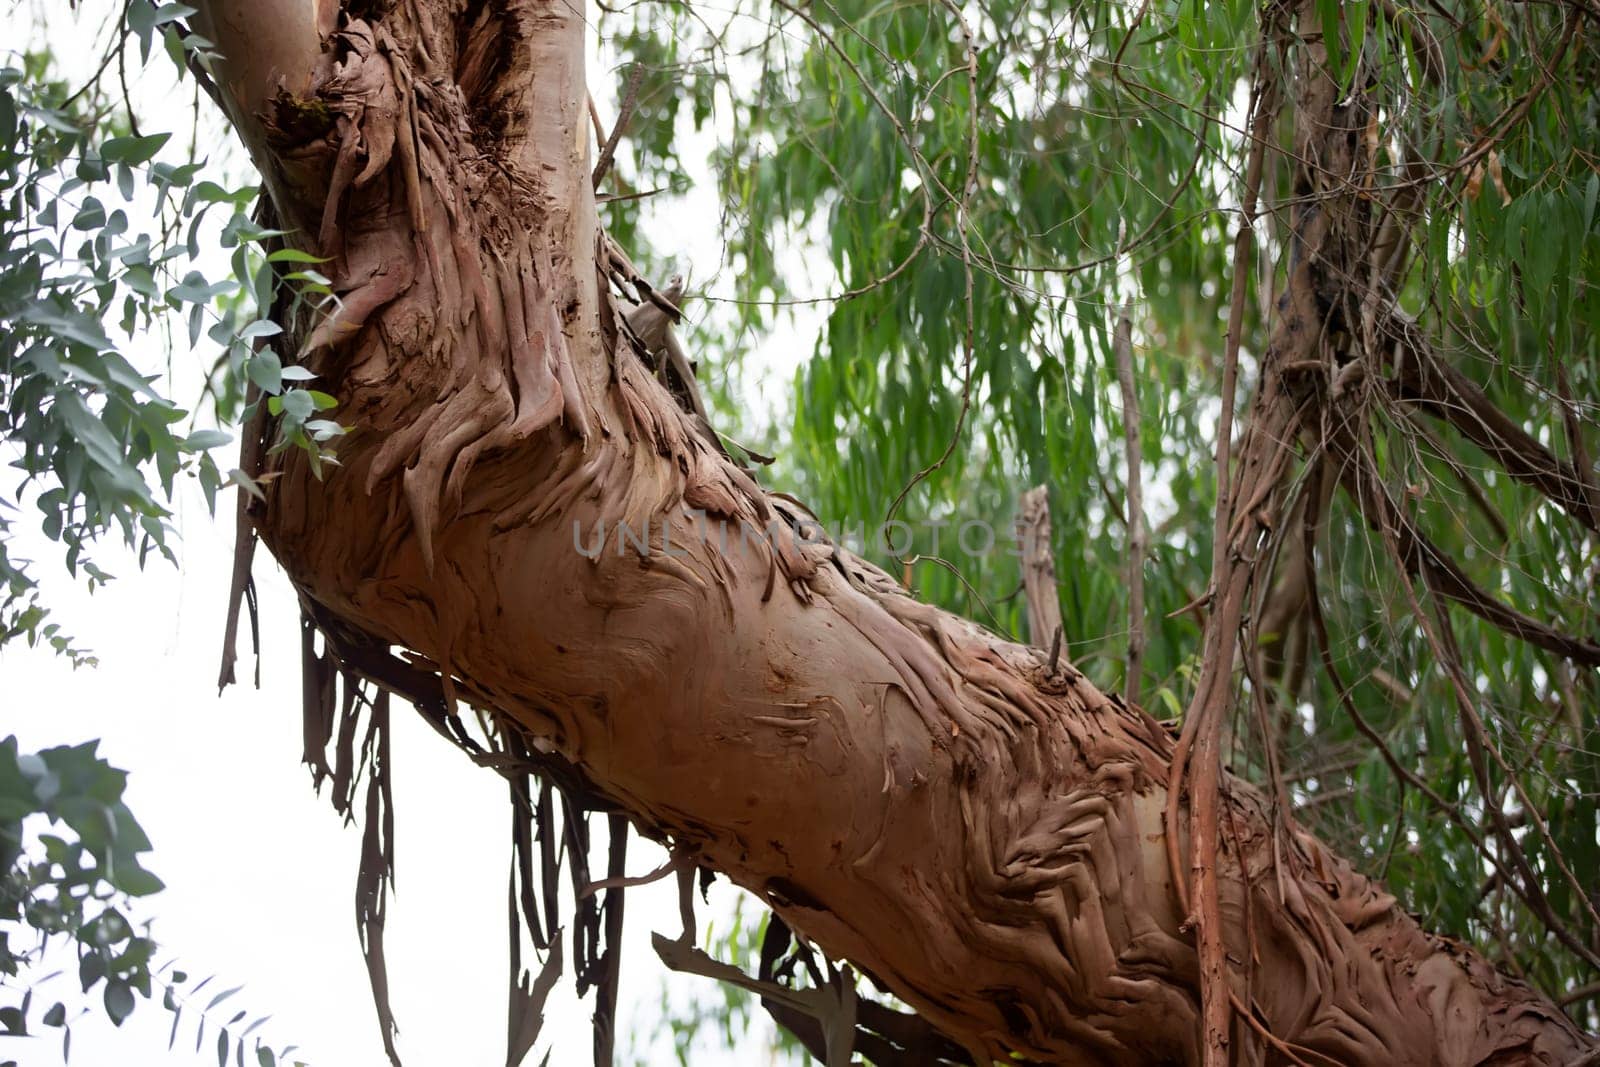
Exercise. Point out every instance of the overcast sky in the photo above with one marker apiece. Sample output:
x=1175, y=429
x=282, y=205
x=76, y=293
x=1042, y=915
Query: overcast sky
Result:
x=260, y=874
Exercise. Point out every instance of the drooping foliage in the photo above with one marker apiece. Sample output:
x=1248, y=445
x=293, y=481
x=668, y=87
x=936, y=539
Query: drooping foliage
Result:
x=970, y=328
x=109, y=238
x=104, y=238
x=71, y=875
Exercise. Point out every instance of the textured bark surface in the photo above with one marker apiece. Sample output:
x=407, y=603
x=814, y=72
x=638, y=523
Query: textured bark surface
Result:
x=981, y=834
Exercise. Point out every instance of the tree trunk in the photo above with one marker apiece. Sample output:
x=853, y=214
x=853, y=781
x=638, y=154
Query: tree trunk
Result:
x=981, y=835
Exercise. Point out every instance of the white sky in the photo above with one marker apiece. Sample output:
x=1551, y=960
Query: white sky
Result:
x=260, y=874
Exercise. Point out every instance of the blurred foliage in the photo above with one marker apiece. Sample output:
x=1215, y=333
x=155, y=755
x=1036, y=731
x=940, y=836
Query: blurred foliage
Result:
x=1108, y=161
x=727, y=1018
x=104, y=238
x=107, y=233
x=70, y=869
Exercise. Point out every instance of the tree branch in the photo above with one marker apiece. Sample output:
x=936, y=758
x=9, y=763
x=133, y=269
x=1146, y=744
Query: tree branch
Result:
x=1039, y=567
x=1444, y=392
x=1138, y=536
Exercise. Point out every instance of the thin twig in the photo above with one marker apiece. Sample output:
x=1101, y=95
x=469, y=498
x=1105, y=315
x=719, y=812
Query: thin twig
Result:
x=630, y=97
x=1436, y=629
x=674, y=862
x=1202, y=725
x=1122, y=344
x=1583, y=992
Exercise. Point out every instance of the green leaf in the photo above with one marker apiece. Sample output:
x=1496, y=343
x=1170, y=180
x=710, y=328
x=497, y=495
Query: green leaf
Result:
x=247, y=483
x=118, y=1000
x=133, y=150
x=210, y=192
x=91, y=216
x=294, y=255
x=136, y=881
x=194, y=289
x=265, y=369
x=144, y=17
x=260, y=328
x=220, y=997
x=298, y=404
x=201, y=440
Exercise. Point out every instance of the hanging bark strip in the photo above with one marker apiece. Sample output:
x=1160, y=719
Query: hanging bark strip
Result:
x=1138, y=536
x=977, y=830
x=605, y=1008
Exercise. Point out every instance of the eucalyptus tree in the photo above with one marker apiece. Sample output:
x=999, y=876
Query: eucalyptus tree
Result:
x=1362, y=600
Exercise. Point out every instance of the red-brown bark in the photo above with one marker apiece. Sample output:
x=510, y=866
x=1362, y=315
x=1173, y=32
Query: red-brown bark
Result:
x=983, y=835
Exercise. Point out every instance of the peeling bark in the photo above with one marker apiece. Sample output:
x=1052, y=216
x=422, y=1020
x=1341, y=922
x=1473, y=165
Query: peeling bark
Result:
x=980, y=834
x=1039, y=569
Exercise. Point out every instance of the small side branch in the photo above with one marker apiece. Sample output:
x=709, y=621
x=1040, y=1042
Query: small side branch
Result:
x=1449, y=395
x=1122, y=344
x=1197, y=757
x=630, y=97
x=1039, y=568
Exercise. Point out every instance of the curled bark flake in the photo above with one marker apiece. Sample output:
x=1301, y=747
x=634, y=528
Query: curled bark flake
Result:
x=481, y=54
x=406, y=138
x=533, y=359
x=359, y=91
x=605, y=1009
x=527, y=997
x=572, y=407
x=386, y=282
x=453, y=427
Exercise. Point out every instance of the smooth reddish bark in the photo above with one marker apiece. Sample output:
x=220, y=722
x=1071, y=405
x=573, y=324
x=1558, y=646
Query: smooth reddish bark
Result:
x=982, y=835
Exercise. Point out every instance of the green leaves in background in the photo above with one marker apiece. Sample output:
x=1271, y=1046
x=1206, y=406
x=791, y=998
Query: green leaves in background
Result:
x=102, y=241
x=1109, y=160
x=71, y=867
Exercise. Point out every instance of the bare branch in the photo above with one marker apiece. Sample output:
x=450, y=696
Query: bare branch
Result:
x=1443, y=391
x=1137, y=534
x=1039, y=567
x=630, y=97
